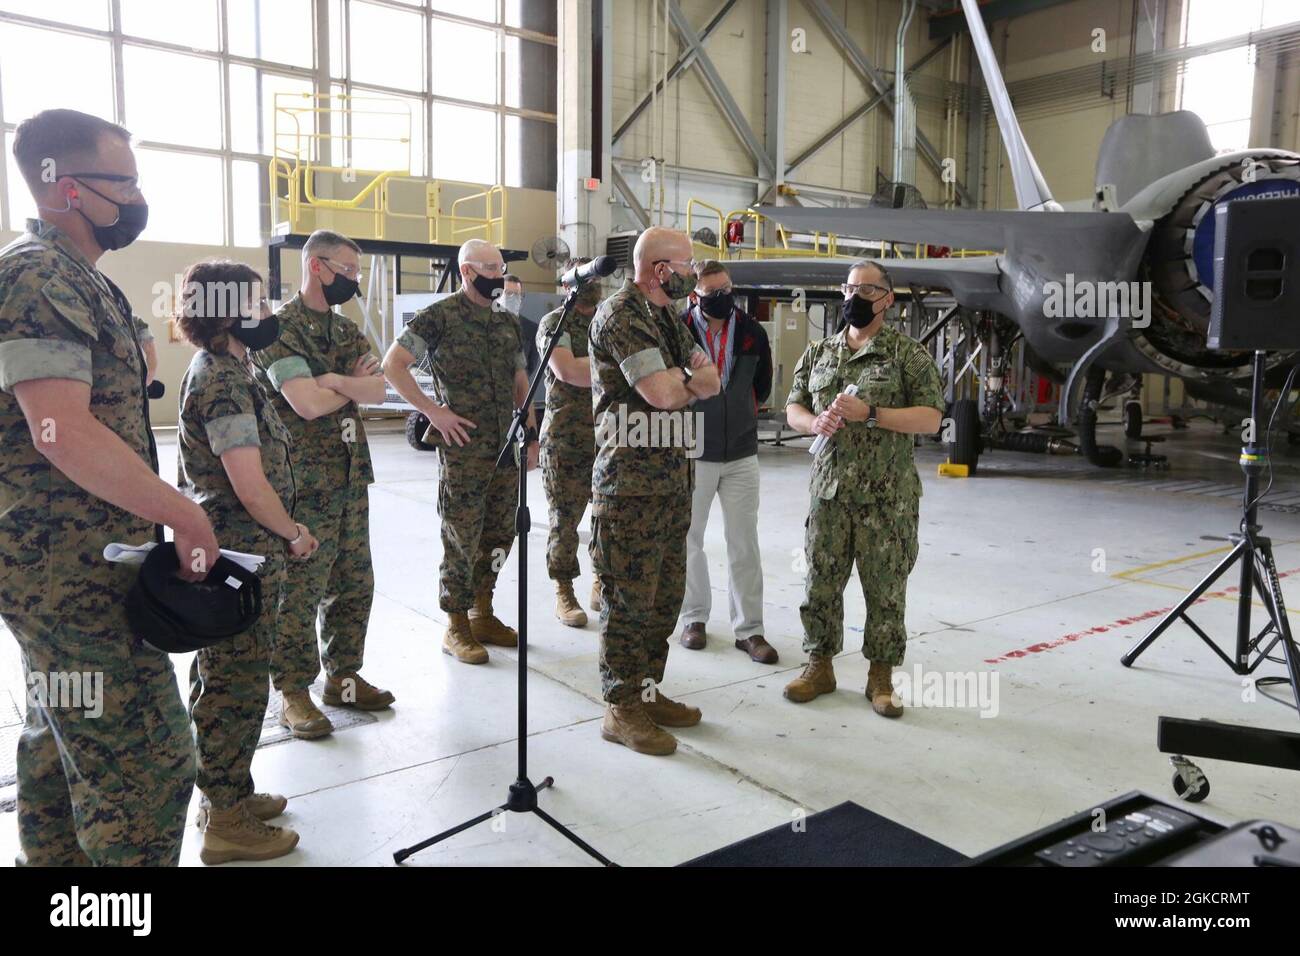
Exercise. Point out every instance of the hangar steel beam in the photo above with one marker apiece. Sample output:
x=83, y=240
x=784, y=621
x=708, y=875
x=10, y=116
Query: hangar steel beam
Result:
x=722, y=96
x=683, y=61
x=839, y=34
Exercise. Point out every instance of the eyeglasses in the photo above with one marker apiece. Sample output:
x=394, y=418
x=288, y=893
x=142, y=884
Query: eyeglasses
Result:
x=490, y=268
x=869, y=290
x=130, y=184
x=722, y=290
x=692, y=264
x=349, y=272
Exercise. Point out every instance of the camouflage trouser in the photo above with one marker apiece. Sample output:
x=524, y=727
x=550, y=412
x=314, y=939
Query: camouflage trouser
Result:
x=638, y=549
x=881, y=538
x=333, y=590
x=476, y=502
x=228, y=692
x=566, y=476
x=107, y=789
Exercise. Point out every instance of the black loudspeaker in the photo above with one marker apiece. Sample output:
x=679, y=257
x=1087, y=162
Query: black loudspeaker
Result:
x=1256, y=275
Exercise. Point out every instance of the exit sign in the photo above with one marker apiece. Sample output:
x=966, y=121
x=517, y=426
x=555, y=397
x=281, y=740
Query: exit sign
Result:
x=591, y=184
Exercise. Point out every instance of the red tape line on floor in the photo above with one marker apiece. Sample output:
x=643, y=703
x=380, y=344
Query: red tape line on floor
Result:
x=1119, y=624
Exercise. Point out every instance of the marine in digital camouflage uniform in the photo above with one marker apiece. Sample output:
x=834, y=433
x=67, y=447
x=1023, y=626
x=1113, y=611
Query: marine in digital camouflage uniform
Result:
x=110, y=789
x=473, y=352
x=865, y=488
x=223, y=407
x=333, y=472
x=568, y=447
x=641, y=496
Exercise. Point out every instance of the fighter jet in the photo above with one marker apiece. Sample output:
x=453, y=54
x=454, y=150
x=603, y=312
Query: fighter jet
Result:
x=1119, y=291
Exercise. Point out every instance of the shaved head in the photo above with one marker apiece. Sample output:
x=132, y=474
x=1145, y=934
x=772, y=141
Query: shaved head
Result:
x=478, y=250
x=660, y=242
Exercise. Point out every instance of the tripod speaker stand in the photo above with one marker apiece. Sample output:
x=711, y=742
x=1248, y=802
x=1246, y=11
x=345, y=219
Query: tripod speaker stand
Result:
x=522, y=795
x=1257, y=575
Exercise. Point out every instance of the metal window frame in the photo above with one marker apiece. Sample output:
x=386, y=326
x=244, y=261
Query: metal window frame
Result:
x=322, y=75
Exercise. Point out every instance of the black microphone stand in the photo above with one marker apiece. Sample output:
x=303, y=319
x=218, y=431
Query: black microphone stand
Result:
x=522, y=796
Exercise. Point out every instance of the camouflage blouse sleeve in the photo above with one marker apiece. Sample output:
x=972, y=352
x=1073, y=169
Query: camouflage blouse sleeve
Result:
x=46, y=327
x=632, y=341
x=142, y=331
x=546, y=327
x=799, y=394
x=226, y=411
x=284, y=359
x=921, y=380
x=423, y=333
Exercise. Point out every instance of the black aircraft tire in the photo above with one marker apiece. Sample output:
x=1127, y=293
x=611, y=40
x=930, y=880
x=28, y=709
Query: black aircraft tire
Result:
x=416, y=426
x=966, y=447
x=1132, y=419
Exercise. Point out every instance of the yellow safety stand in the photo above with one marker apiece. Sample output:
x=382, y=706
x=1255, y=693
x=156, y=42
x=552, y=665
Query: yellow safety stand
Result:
x=949, y=470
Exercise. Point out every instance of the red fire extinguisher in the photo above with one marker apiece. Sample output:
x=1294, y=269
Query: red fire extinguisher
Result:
x=736, y=232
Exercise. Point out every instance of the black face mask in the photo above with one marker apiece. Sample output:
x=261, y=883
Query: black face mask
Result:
x=718, y=305
x=341, y=290
x=131, y=220
x=858, y=312
x=258, y=335
x=488, y=288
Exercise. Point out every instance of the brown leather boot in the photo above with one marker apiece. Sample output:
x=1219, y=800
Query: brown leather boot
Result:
x=264, y=806
x=880, y=690
x=567, y=608
x=818, y=678
x=353, y=690
x=597, y=601
x=666, y=712
x=627, y=724
x=300, y=714
x=459, y=640
x=235, y=834
x=486, y=627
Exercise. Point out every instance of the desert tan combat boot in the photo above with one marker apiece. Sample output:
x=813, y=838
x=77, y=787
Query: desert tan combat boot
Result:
x=486, y=627
x=264, y=806
x=597, y=601
x=627, y=724
x=300, y=714
x=236, y=834
x=880, y=690
x=353, y=690
x=666, y=712
x=818, y=678
x=567, y=608
x=459, y=640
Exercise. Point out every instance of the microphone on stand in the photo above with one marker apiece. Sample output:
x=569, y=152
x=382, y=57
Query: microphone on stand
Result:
x=597, y=268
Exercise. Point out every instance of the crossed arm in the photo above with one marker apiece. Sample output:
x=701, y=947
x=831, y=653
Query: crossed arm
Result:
x=313, y=397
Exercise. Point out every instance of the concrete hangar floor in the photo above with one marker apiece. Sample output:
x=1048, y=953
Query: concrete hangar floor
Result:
x=1039, y=573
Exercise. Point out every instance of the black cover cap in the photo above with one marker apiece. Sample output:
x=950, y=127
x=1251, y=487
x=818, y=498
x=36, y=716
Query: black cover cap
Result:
x=177, y=616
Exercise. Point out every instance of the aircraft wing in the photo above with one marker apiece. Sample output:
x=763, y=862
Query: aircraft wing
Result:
x=973, y=281
x=990, y=229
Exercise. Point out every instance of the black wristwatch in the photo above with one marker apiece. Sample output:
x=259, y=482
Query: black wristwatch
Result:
x=872, y=421
x=530, y=435
x=688, y=373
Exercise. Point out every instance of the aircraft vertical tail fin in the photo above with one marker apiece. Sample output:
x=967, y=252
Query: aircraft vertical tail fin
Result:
x=1031, y=188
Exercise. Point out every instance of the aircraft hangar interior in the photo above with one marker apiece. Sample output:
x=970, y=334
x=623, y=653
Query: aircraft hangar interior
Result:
x=731, y=433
